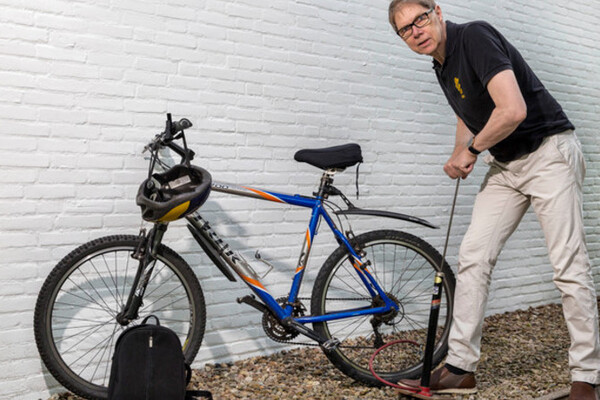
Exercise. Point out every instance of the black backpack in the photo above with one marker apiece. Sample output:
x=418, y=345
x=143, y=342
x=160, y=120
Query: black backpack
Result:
x=148, y=364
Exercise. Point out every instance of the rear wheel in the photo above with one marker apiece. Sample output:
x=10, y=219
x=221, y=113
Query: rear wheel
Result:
x=75, y=316
x=405, y=267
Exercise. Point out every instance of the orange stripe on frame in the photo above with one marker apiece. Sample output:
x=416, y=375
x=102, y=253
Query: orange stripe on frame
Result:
x=357, y=266
x=254, y=282
x=265, y=195
x=308, y=243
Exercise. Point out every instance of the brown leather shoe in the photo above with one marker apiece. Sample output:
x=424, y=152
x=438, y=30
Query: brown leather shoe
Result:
x=444, y=381
x=582, y=391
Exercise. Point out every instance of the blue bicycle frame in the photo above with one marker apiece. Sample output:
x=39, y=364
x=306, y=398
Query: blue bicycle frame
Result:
x=219, y=251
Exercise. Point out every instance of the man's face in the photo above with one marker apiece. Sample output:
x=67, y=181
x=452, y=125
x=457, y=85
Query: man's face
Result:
x=429, y=39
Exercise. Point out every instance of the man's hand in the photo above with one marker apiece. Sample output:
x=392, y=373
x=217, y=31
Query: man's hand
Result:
x=460, y=165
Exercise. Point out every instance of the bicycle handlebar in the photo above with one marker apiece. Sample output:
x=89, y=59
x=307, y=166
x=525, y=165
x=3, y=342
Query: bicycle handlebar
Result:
x=173, y=131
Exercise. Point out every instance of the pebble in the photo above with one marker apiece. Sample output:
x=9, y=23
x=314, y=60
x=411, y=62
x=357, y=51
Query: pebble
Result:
x=524, y=356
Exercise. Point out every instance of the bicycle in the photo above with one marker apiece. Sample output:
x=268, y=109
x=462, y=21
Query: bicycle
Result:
x=374, y=288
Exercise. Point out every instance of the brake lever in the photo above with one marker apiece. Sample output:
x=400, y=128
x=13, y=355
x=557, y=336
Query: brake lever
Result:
x=152, y=145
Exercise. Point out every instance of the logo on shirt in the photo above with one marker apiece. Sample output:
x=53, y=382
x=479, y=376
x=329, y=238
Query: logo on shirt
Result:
x=459, y=88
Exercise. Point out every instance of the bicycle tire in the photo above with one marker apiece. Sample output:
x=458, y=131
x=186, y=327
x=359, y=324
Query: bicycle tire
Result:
x=74, y=321
x=405, y=266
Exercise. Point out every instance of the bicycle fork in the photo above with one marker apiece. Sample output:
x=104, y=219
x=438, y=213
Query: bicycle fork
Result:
x=146, y=255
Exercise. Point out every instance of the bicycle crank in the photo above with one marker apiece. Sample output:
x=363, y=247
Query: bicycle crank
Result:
x=275, y=329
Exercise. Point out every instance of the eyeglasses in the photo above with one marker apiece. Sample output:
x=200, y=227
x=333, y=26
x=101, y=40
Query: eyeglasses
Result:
x=422, y=20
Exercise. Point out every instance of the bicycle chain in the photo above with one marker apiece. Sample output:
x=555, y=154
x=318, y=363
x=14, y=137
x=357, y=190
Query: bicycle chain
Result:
x=318, y=345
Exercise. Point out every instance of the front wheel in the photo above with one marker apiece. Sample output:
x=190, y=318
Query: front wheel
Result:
x=75, y=318
x=405, y=268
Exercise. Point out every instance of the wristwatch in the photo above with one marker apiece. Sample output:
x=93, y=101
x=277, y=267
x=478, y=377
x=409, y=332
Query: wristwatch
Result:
x=474, y=150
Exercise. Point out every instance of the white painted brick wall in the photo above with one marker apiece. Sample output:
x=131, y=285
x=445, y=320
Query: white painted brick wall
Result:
x=86, y=83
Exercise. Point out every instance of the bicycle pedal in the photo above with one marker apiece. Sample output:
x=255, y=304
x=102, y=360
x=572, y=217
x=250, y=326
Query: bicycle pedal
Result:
x=331, y=344
x=252, y=302
x=246, y=298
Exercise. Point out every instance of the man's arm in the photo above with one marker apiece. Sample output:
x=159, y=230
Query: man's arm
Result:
x=509, y=112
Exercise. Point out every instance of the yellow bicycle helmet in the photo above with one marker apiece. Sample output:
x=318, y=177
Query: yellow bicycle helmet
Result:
x=173, y=194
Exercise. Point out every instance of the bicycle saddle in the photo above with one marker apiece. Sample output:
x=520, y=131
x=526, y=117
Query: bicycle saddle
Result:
x=345, y=155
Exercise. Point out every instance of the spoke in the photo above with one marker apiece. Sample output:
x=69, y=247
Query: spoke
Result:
x=106, y=348
x=70, y=318
x=351, y=292
x=374, y=264
x=414, y=323
x=88, y=297
x=102, y=279
x=403, y=269
x=102, y=349
x=406, y=269
x=99, y=326
x=154, y=277
x=165, y=295
x=86, y=328
x=384, y=263
x=94, y=289
x=352, y=276
x=347, y=336
x=406, y=297
x=416, y=271
x=394, y=267
x=425, y=289
x=114, y=295
x=116, y=275
x=78, y=305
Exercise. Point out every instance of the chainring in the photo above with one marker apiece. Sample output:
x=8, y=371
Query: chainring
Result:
x=275, y=329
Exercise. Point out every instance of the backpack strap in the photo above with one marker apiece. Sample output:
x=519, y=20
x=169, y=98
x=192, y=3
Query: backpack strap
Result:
x=188, y=373
x=193, y=394
x=145, y=320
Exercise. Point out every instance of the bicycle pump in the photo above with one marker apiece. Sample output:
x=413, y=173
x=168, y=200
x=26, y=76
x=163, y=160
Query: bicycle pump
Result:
x=424, y=391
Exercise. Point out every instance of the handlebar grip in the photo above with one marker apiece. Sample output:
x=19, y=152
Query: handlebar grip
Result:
x=181, y=125
x=185, y=123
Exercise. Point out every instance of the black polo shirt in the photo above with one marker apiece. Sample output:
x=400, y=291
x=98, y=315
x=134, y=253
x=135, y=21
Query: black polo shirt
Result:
x=475, y=53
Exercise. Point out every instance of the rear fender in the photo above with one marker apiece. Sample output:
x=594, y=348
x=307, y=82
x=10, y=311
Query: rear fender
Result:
x=386, y=214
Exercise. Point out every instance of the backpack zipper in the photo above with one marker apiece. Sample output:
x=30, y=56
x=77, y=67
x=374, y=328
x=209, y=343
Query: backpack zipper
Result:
x=149, y=368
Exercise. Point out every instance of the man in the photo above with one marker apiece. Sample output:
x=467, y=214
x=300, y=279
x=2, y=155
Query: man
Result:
x=535, y=159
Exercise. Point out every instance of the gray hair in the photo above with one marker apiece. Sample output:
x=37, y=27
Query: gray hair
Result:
x=395, y=5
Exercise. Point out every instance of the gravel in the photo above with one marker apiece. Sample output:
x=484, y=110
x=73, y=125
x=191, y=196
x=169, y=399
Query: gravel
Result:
x=524, y=356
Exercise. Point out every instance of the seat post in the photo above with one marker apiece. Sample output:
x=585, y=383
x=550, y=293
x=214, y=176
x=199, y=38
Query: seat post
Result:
x=326, y=181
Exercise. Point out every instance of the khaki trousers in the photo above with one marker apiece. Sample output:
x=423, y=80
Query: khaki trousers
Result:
x=550, y=179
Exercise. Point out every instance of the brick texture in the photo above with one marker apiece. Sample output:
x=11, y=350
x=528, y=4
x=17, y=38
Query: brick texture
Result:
x=86, y=83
